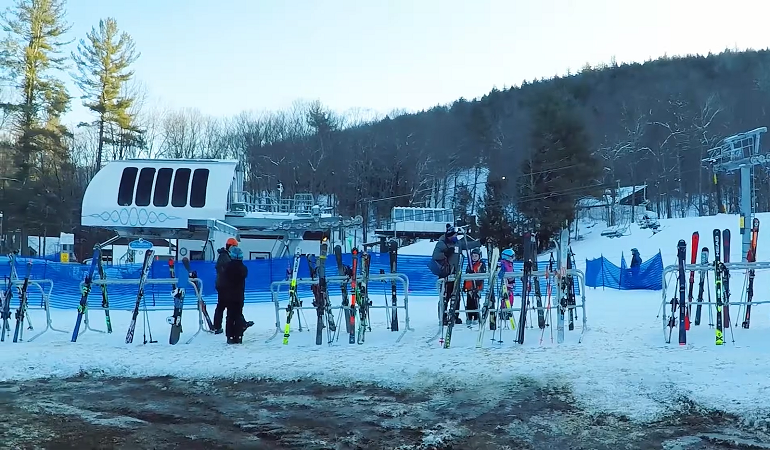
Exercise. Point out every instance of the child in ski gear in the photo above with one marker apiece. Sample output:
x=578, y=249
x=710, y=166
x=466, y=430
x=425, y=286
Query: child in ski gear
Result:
x=445, y=261
x=222, y=301
x=636, y=259
x=473, y=289
x=506, y=267
x=234, y=277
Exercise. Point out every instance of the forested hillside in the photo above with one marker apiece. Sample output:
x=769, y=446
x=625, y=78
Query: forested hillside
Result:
x=546, y=143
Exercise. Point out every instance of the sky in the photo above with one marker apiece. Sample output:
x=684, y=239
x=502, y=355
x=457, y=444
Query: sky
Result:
x=227, y=56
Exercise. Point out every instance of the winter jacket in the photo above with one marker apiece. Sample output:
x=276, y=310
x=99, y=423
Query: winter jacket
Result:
x=222, y=260
x=636, y=260
x=234, y=277
x=445, y=257
x=478, y=267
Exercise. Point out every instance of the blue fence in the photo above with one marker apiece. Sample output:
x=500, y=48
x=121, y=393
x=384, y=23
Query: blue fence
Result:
x=600, y=272
x=68, y=277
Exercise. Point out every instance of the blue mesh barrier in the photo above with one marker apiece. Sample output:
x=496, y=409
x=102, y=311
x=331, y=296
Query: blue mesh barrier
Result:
x=67, y=278
x=600, y=272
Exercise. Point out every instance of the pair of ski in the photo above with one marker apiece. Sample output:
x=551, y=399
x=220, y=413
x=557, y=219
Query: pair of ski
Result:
x=321, y=297
x=5, y=310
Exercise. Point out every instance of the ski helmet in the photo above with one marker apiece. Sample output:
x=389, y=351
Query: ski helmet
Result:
x=507, y=254
x=477, y=252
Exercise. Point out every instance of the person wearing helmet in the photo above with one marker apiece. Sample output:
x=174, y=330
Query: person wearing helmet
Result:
x=473, y=289
x=506, y=266
x=234, y=276
x=445, y=261
x=222, y=259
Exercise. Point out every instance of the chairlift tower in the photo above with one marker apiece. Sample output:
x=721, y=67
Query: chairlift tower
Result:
x=741, y=152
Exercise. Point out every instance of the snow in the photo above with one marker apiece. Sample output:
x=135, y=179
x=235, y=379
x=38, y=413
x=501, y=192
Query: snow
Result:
x=622, y=366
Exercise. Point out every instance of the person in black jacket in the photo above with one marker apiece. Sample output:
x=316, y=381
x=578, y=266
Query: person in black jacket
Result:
x=234, y=277
x=445, y=262
x=223, y=259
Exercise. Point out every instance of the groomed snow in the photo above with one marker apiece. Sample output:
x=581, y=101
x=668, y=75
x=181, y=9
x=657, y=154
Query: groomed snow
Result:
x=622, y=365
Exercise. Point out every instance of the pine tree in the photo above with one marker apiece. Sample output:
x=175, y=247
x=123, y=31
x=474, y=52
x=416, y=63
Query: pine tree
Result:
x=560, y=168
x=494, y=221
x=30, y=55
x=103, y=62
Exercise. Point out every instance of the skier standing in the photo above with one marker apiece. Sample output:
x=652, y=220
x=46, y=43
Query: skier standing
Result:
x=445, y=261
x=234, y=277
x=475, y=265
x=222, y=301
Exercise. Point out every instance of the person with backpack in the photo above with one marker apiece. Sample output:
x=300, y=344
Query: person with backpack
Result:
x=234, y=286
x=473, y=289
x=445, y=261
x=223, y=259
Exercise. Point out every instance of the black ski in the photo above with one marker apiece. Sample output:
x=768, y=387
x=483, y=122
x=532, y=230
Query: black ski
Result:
x=146, y=265
x=177, y=294
x=393, y=255
x=363, y=298
x=105, y=296
x=718, y=267
x=681, y=250
x=525, y=287
x=22, y=305
x=454, y=300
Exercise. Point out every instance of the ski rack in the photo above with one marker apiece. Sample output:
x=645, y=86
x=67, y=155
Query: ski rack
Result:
x=745, y=266
x=275, y=290
x=45, y=295
x=148, y=281
x=556, y=295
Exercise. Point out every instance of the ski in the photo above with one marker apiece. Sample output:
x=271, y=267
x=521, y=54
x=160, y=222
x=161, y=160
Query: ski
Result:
x=571, y=302
x=341, y=270
x=393, y=255
x=22, y=305
x=693, y=260
x=294, y=301
x=177, y=294
x=105, y=297
x=704, y=260
x=524, y=300
x=532, y=256
x=681, y=251
x=317, y=299
x=192, y=275
x=726, y=276
x=363, y=298
x=84, y=294
x=489, y=302
x=718, y=267
x=325, y=291
x=752, y=258
x=353, y=298
x=6, y=307
x=146, y=265
x=563, y=255
x=454, y=301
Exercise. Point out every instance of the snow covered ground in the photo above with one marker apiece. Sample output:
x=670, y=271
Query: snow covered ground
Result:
x=622, y=366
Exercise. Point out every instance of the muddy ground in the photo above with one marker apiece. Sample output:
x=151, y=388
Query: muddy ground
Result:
x=165, y=413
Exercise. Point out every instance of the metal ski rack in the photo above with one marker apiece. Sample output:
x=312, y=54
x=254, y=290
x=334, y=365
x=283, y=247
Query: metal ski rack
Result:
x=516, y=276
x=738, y=266
x=275, y=290
x=197, y=288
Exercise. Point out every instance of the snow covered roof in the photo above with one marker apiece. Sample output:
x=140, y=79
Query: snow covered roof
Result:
x=621, y=194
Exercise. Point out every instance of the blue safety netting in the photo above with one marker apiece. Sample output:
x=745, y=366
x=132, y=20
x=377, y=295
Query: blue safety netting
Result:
x=600, y=272
x=67, y=278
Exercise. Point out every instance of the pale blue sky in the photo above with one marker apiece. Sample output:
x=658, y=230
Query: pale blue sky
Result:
x=227, y=56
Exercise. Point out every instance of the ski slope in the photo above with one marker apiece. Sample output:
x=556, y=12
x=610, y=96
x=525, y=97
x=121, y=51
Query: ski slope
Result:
x=622, y=366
